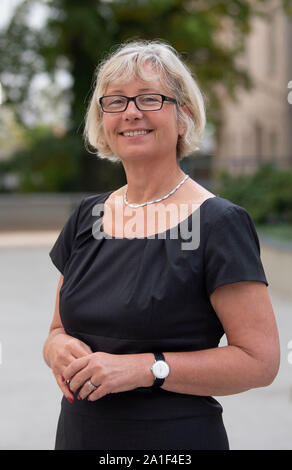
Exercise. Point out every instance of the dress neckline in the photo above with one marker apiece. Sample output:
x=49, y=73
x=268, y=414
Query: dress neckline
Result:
x=152, y=236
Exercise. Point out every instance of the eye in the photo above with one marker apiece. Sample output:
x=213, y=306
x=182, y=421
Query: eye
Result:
x=150, y=99
x=115, y=102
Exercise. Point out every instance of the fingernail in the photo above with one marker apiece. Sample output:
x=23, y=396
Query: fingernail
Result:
x=63, y=380
x=79, y=397
x=70, y=399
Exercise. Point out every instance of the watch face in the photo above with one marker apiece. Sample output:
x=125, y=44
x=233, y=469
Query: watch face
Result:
x=160, y=369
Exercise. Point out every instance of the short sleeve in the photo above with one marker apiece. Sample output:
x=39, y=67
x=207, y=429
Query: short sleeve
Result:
x=61, y=251
x=232, y=251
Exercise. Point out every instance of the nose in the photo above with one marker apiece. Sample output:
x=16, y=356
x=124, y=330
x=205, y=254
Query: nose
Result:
x=132, y=112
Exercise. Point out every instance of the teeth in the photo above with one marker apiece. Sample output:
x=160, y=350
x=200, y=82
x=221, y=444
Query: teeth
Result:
x=132, y=133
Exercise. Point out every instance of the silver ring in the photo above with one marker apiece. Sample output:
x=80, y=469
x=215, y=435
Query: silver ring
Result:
x=92, y=387
x=68, y=382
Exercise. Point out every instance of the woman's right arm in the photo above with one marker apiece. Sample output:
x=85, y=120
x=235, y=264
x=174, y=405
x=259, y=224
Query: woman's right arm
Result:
x=60, y=349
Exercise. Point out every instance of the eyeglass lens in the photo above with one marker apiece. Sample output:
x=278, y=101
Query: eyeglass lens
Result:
x=144, y=102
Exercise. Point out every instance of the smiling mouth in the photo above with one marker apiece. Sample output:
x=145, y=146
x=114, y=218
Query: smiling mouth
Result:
x=134, y=133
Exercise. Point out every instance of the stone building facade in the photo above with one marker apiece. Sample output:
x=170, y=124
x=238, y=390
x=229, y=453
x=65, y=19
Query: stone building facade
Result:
x=258, y=126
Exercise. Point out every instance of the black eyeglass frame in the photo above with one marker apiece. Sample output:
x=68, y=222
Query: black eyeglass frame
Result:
x=133, y=98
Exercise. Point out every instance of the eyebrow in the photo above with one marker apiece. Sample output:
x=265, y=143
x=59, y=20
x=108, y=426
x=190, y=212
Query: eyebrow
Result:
x=120, y=92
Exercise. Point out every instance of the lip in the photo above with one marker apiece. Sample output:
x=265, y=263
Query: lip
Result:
x=135, y=130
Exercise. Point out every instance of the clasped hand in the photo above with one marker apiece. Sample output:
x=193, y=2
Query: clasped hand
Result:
x=110, y=373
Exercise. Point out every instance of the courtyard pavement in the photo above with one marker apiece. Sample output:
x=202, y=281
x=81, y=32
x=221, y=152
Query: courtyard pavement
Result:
x=30, y=399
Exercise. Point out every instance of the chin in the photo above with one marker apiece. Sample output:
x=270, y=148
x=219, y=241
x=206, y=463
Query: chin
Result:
x=134, y=155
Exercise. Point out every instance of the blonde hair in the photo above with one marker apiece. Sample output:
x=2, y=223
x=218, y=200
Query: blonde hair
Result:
x=128, y=61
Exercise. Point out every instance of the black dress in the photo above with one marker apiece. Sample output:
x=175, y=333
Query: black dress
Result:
x=137, y=295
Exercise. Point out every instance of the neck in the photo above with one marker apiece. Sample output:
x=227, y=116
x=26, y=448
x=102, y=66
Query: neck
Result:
x=146, y=183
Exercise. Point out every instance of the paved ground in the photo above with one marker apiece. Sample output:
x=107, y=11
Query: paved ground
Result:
x=29, y=406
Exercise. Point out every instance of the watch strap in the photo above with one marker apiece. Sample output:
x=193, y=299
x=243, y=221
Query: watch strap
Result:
x=158, y=382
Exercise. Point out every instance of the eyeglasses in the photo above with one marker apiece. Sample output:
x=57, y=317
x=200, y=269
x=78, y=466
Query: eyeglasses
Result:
x=145, y=102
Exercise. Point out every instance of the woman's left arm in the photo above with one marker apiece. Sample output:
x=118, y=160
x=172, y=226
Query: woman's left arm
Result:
x=251, y=358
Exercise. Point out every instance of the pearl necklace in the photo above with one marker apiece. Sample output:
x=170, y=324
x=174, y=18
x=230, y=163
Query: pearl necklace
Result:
x=156, y=200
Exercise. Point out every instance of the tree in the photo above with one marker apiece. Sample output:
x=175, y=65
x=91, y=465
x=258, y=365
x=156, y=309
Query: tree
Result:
x=77, y=35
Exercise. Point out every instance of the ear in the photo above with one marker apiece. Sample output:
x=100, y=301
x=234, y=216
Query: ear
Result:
x=181, y=128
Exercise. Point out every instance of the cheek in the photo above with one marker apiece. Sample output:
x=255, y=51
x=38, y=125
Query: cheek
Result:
x=173, y=123
x=173, y=129
x=109, y=125
x=108, y=134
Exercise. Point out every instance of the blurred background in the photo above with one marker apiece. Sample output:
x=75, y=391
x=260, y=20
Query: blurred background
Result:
x=240, y=53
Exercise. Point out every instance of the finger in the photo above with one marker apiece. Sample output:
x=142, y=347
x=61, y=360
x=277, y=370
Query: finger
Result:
x=63, y=362
x=68, y=382
x=74, y=367
x=100, y=392
x=65, y=390
x=78, y=349
x=80, y=379
x=86, y=348
x=87, y=389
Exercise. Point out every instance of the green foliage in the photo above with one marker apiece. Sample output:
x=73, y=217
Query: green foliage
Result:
x=49, y=164
x=77, y=35
x=267, y=194
x=278, y=230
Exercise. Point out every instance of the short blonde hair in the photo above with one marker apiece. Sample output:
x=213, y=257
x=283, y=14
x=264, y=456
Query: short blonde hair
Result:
x=128, y=62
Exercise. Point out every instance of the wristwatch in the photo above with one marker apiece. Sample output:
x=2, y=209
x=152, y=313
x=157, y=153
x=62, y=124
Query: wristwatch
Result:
x=160, y=369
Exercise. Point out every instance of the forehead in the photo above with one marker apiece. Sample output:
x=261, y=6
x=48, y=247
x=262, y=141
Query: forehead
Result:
x=146, y=80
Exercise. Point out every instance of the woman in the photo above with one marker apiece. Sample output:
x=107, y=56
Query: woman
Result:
x=139, y=315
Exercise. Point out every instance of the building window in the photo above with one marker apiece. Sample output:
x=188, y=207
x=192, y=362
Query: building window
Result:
x=271, y=49
x=258, y=142
x=273, y=145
